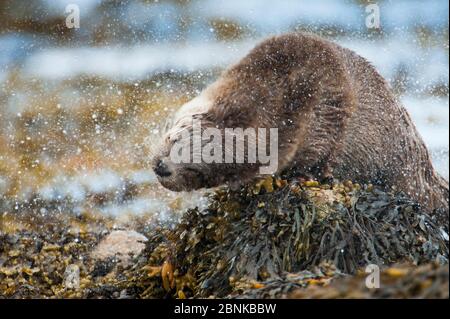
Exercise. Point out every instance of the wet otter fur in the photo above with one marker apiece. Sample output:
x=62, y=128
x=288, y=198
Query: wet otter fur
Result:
x=336, y=118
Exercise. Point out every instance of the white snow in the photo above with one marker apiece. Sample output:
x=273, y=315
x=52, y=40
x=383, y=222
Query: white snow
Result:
x=431, y=116
x=133, y=63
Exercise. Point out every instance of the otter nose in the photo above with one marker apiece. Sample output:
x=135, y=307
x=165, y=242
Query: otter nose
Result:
x=162, y=169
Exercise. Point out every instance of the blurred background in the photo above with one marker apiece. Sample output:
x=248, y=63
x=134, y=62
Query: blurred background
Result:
x=81, y=107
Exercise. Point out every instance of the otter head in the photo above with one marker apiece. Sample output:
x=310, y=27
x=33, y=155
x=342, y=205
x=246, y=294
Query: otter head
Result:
x=178, y=162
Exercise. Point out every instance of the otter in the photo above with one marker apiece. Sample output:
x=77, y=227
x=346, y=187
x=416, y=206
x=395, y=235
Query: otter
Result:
x=336, y=116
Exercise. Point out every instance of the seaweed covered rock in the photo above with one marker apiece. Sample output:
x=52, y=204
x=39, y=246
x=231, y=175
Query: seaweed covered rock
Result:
x=402, y=281
x=261, y=233
x=47, y=255
x=430, y=280
x=272, y=239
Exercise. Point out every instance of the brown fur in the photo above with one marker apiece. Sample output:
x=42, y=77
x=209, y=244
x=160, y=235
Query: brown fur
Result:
x=336, y=116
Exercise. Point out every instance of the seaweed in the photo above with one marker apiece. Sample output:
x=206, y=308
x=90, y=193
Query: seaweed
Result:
x=267, y=239
x=400, y=281
x=259, y=234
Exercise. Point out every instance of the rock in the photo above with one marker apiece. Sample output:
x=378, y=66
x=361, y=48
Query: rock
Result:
x=124, y=295
x=121, y=244
x=72, y=277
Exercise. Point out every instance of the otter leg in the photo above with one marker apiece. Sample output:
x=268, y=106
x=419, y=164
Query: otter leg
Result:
x=323, y=172
x=327, y=180
x=325, y=175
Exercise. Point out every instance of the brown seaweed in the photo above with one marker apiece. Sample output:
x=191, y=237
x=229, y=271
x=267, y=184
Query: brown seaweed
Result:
x=264, y=240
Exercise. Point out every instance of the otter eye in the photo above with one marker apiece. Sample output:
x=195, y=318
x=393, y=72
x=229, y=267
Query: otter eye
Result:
x=172, y=139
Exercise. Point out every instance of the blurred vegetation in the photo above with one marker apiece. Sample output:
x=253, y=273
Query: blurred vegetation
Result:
x=84, y=124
